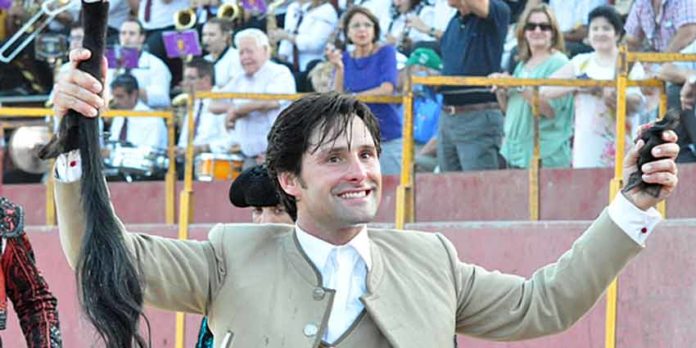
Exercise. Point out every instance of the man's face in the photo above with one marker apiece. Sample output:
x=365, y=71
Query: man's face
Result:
x=271, y=215
x=122, y=100
x=214, y=41
x=194, y=81
x=130, y=35
x=340, y=185
x=76, y=37
x=251, y=55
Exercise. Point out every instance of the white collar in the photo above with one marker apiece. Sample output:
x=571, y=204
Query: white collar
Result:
x=318, y=250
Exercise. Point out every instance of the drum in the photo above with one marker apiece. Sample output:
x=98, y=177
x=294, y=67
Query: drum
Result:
x=129, y=160
x=214, y=167
x=24, y=147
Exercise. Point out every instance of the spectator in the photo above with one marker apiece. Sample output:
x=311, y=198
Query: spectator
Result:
x=370, y=69
x=152, y=74
x=217, y=40
x=661, y=26
x=412, y=21
x=681, y=92
x=252, y=119
x=379, y=8
x=471, y=126
x=156, y=17
x=308, y=25
x=572, y=18
x=138, y=131
x=209, y=133
x=541, y=53
x=595, y=108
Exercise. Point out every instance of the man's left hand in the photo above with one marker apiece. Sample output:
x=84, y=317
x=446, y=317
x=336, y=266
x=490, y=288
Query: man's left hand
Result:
x=662, y=171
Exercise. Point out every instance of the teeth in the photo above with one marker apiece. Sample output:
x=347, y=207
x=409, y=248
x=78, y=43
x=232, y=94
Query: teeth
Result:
x=351, y=195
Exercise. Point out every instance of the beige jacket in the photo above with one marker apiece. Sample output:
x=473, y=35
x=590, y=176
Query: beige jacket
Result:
x=254, y=282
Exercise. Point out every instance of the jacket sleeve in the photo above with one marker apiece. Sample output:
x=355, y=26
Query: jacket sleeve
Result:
x=177, y=275
x=36, y=307
x=504, y=307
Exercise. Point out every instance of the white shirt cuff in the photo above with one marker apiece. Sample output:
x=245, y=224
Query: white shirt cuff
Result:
x=638, y=224
x=68, y=167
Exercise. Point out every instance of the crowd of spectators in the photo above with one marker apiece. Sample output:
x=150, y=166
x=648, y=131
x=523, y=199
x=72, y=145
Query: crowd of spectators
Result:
x=364, y=47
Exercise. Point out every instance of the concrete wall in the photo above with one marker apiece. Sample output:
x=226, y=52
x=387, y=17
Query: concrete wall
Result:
x=656, y=302
x=566, y=194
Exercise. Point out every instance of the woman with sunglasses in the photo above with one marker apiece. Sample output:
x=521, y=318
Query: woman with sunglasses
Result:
x=595, y=108
x=540, y=53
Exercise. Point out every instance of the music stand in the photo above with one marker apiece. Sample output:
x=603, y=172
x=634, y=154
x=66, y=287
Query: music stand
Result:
x=181, y=43
x=119, y=57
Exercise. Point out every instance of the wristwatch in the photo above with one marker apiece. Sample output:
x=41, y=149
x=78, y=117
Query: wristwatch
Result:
x=432, y=31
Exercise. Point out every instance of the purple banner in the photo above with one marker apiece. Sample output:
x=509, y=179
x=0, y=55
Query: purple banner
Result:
x=181, y=43
x=5, y=4
x=122, y=57
x=254, y=6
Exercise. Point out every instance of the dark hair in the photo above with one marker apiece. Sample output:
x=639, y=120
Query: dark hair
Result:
x=126, y=81
x=204, y=68
x=225, y=25
x=362, y=10
x=328, y=113
x=136, y=21
x=611, y=15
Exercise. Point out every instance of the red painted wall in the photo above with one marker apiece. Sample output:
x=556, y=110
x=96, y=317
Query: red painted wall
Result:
x=656, y=302
x=566, y=194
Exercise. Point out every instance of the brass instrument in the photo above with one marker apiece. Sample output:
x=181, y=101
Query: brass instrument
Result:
x=230, y=12
x=272, y=22
x=185, y=19
x=33, y=26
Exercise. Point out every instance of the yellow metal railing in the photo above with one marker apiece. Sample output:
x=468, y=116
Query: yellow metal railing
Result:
x=170, y=179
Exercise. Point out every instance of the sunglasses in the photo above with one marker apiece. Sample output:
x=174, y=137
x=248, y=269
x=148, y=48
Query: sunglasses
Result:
x=532, y=26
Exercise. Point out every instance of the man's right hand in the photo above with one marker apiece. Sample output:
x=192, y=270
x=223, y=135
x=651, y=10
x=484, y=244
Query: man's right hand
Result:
x=688, y=95
x=78, y=90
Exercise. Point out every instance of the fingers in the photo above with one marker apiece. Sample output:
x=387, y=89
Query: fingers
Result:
x=667, y=150
x=666, y=179
x=78, y=55
x=660, y=166
x=669, y=136
x=632, y=155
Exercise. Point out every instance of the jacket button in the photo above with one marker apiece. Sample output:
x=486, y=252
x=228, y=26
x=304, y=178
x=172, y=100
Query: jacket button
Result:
x=318, y=294
x=311, y=330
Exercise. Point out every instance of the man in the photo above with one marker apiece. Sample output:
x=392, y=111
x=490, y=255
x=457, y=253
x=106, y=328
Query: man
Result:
x=209, y=132
x=138, y=131
x=217, y=40
x=153, y=76
x=157, y=17
x=681, y=93
x=22, y=283
x=666, y=26
x=471, y=124
x=252, y=188
x=330, y=280
x=252, y=119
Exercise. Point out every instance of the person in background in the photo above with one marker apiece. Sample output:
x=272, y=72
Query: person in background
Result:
x=217, y=40
x=595, y=108
x=412, y=21
x=370, y=69
x=661, y=26
x=540, y=54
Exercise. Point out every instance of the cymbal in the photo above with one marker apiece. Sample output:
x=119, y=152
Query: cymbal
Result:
x=24, y=147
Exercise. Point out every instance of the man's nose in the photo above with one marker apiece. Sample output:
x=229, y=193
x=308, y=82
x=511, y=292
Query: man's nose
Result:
x=357, y=170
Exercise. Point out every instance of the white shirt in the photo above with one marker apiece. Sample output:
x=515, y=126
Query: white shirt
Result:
x=142, y=131
x=343, y=268
x=573, y=14
x=210, y=126
x=161, y=13
x=153, y=76
x=253, y=128
x=313, y=33
x=227, y=66
x=426, y=14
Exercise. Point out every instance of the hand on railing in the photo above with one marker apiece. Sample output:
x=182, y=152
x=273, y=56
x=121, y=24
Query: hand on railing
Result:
x=495, y=88
x=609, y=97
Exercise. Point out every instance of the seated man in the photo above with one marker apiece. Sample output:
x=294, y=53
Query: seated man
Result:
x=253, y=188
x=217, y=40
x=22, y=282
x=252, y=119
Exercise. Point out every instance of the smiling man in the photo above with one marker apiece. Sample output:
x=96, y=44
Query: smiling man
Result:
x=330, y=280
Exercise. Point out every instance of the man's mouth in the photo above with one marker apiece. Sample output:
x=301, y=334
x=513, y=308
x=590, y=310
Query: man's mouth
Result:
x=355, y=194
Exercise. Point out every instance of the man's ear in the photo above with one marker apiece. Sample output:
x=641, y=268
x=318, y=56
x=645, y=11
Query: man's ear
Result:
x=290, y=183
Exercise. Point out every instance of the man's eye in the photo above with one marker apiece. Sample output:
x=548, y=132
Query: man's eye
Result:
x=334, y=159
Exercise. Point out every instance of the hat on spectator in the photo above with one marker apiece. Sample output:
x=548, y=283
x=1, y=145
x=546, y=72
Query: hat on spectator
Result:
x=253, y=188
x=426, y=57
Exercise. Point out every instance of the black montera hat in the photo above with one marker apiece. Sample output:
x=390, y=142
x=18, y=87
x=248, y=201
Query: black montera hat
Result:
x=253, y=188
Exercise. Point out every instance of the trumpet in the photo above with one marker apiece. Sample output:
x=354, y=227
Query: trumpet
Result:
x=47, y=12
x=229, y=12
x=185, y=19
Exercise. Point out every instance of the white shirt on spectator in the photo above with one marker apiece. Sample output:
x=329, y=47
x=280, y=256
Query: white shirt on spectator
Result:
x=161, y=13
x=444, y=13
x=312, y=34
x=426, y=14
x=210, y=126
x=153, y=76
x=226, y=66
x=253, y=128
x=141, y=131
x=119, y=11
x=573, y=14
